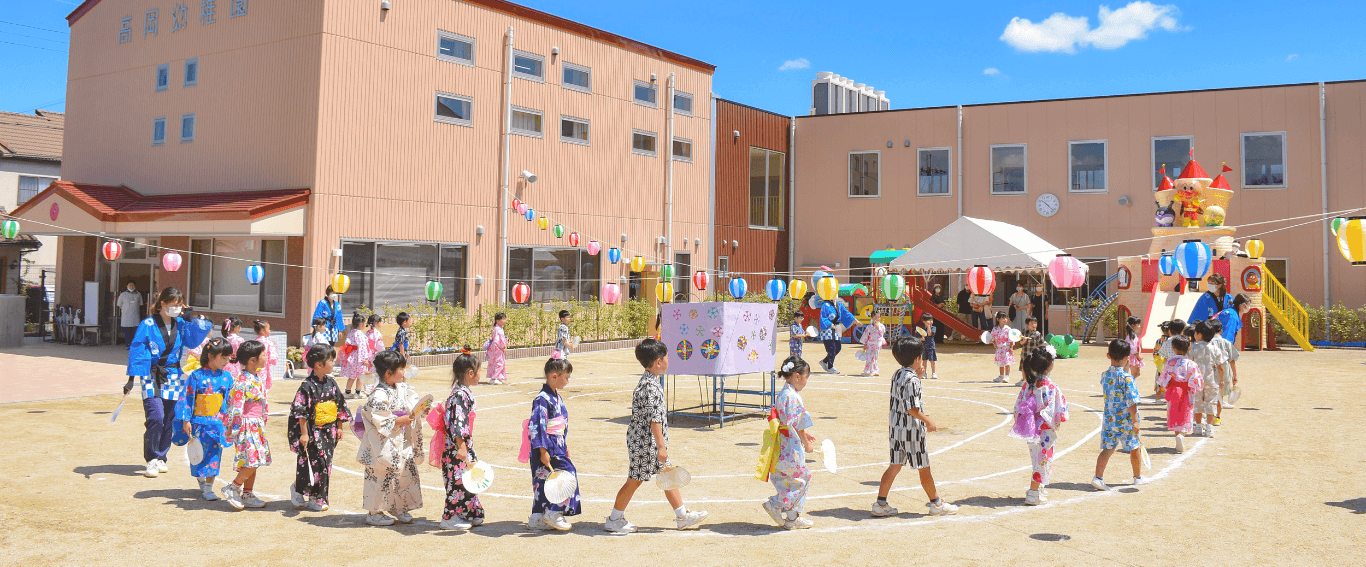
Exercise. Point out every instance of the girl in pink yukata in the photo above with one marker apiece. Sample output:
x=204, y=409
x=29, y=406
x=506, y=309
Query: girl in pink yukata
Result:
x=247, y=411
x=373, y=333
x=1039, y=410
x=269, y=356
x=1135, y=363
x=1182, y=379
x=232, y=327
x=1005, y=356
x=874, y=336
x=790, y=476
x=495, y=351
x=356, y=357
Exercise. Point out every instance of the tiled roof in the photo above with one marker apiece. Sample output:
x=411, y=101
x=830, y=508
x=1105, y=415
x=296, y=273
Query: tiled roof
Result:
x=32, y=136
x=112, y=203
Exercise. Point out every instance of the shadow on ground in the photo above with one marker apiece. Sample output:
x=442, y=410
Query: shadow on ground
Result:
x=121, y=470
x=1356, y=505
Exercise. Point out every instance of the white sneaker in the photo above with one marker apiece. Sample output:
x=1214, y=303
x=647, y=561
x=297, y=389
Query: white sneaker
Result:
x=942, y=509
x=1209, y=431
x=1140, y=481
x=250, y=500
x=1034, y=498
x=152, y=469
x=883, y=510
x=824, y=367
x=1000, y=379
x=161, y=466
x=556, y=521
x=404, y=518
x=619, y=525
x=456, y=523
x=934, y=376
x=476, y=521
x=692, y=518
x=834, y=370
x=865, y=375
x=534, y=522
x=1099, y=484
x=232, y=494
x=1180, y=443
x=798, y=523
x=207, y=489
x=295, y=498
x=316, y=506
x=379, y=520
x=774, y=512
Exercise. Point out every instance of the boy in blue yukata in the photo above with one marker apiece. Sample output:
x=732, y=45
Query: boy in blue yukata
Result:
x=1120, y=425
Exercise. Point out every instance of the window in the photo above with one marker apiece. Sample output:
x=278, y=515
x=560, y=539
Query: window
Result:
x=642, y=143
x=454, y=109
x=29, y=187
x=766, y=188
x=526, y=122
x=863, y=174
x=683, y=103
x=1264, y=160
x=191, y=72
x=573, y=130
x=187, y=128
x=1008, y=170
x=682, y=277
x=1086, y=166
x=390, y=276
x=722, y=268
x=1277, y=268
x=163, y=76
x=1171, y=152
x=933, y=171
x=528, y=66
x=158, y=131
x=682, y=149
x=454, y=48
x=646, y=94
x=216, y=282
x=577, y=78
x=555, y=274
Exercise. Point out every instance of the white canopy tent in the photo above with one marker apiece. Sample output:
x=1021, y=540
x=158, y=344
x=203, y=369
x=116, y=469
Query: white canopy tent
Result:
x=969, y=242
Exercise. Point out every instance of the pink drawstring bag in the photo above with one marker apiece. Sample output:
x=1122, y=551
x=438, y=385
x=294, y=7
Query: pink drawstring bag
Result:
x=524, y=454
x=1027, y=420
x=436, y=419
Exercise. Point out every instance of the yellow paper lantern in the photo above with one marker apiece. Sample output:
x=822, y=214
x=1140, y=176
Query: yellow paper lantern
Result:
x=543, y=222
x=637, y=264
x=828, y=288
x=664, y=292
x=1255, y=248
x=796, y=288
x=1352, y=240
x=341, y=283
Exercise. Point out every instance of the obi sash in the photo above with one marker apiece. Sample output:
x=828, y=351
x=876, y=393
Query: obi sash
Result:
x=208, y=405
x=1178, y=393
x=254, y=409
x=325, y=413
x=556, y=425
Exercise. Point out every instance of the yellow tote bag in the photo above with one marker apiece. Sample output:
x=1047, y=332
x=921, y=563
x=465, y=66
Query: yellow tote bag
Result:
x=768, y=452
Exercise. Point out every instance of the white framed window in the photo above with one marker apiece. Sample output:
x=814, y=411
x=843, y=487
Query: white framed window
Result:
x=215, y=274
x=683, y=103
x=191, y=72
x=722, y=267
x=163, y=80
x=933, y=171
x=573, y=130
x=1170, y=153
x=186, y=128
x=682, y=149
x=646, y=94
x=1009, y=169
x=454, y=48
x=576, y=77
x=766, y=173
x=1263, y=160
x=454, y=109
x=527, y=122
x=528, y=66
x=1086, y=162
x=863, y=174
x=643, y=142
x=159, y=131
x=30, y=186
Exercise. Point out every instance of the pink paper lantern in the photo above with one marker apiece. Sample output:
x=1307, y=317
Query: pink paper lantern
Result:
x=611, y=293
x=170, y=261
x=594, y=248
x=981, y=281
x=1066, y=272
x=521, y=209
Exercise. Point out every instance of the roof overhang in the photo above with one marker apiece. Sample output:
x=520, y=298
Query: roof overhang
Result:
x=72, y=209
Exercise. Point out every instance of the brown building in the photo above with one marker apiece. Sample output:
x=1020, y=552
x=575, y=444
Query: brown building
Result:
x=753, y=187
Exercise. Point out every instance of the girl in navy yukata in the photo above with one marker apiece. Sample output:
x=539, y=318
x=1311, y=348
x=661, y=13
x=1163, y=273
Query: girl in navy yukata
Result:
x=548, y=432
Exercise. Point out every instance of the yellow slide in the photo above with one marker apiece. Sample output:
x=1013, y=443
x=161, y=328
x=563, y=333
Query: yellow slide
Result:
x=1288, y=312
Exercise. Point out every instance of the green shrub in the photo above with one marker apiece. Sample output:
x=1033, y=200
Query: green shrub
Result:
x=443, y=327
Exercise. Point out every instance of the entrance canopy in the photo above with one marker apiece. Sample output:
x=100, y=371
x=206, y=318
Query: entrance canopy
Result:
x=66, y=209
x=969, y=242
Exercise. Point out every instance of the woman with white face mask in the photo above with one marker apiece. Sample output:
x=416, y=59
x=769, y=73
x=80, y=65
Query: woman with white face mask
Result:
x=1020, y=307
x=329, y=309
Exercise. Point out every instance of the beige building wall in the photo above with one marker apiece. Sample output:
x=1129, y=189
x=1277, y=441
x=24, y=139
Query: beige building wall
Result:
x=1216, y=120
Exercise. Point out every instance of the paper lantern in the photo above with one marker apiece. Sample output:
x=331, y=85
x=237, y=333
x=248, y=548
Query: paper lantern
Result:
x=611, y=293
x=573, y=239
x=1255, y=248
x=254, y=274
x=1193, y=262
x=775, y=289
x=170, y=261
x=522, y=209
x=893, y=285
x=614, y=255
x=738, y=288
x=341, y=283
x=1167, y=263
x=1352, y=240
x=981, y=281
x=112, y=250
x=11, y=229
x=559, y=231
x=594, y=248
x=433, y=290
x=699, y=280
x=828, y=288
x=517, y=205
x=666, y=272
x=664, y=292
x=796, y=289
x=1337, y=223
x=521, y=293
x=1066, y=271
x=543, y=223
x=637, y=264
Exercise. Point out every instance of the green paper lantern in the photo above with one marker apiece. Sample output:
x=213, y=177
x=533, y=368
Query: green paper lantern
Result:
x=893, y=285
x=433, y=290
x=11, y=229
x=666, y=272
x=559, y=230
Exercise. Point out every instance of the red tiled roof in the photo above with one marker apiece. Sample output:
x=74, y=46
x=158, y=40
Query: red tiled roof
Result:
x=112, y=203
x=35, y=136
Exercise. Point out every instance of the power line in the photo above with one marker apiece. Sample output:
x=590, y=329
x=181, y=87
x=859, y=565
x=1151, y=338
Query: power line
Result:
x=35, y=37
x=35, y=47
x=34, y=27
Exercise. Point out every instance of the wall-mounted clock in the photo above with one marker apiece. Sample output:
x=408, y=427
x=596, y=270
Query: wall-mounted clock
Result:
x=1047, y=204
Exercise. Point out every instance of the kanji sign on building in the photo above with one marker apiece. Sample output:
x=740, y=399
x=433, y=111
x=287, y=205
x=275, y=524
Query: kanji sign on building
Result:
x=126, y=30
x=149, y=26
x=180, y=17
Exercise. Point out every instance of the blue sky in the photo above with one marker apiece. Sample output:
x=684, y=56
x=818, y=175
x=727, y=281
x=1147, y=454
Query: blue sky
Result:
x=921, y=53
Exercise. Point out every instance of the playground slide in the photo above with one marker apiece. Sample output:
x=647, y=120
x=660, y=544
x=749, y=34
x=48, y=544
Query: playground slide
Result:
x=922, y=302
x=1164, y=306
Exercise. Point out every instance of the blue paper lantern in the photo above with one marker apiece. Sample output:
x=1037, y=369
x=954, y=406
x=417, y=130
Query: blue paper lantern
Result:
x=254, y=273
x=816, y=278
x=1167, y=263
x=1193, y=261
x=776, y=289
x=738, y=287
x=614, y=255
x=530, y=214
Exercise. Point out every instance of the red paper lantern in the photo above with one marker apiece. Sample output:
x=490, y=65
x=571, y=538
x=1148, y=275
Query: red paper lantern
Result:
x=981, y=281
x=573, y=239
x=1066, y=272
x=521, y=293
x=699, y=280
x=517, y=205
x=112, y=250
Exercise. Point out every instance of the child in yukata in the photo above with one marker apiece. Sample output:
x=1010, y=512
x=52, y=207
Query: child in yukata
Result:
x=495, y=351
x=647, y=441
x=873, y=339
x=1005, y=355
x=790, y=476
x=269, y=356
x=204, y=411
x=315, y=420
x=1039, y=410
x=1181, y=379
x=1120, y=423
x=319, y=336
x=232, y=329
x=1164, y=350
x=548, y=432
x=376, y=337
x=907, y=428
x=247, y=425
x=401, y=337
x=927, y=331
x=1230, y=368
x=796, y=334
x=463, y=509
x=1211, y=361
x=562, y=339
x=392, y=446
x=356, y=356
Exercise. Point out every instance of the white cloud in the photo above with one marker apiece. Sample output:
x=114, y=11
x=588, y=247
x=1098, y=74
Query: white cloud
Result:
x=791, y=64
x=1292, y=57
x=991, y=71
x=1061, y=33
